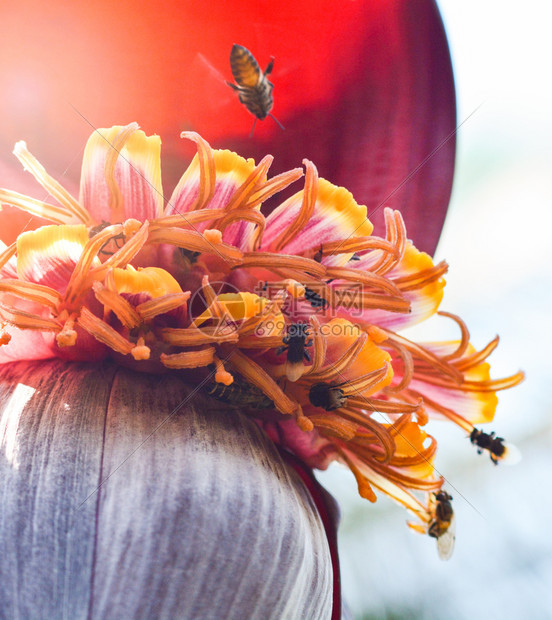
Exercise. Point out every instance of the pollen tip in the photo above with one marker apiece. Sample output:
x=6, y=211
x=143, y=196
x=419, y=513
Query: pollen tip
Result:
x=20, y=145
x=141, y=352
x=66, y=338
x=224, y=377
x=377, y=334
x=365, y=491
x=4, y=338
x=131, y=227
x=212, y=235
x=304, y=423
x=422, y=418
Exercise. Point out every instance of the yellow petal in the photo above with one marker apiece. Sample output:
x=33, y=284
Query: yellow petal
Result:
x=49, y=254
x=152, y=281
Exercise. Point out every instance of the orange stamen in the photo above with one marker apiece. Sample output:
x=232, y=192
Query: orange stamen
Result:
x=37, y=293
x=276, y=262
x=64, y=198
x=192, y=336
x=207, y=170
x=160, y=305
x=275, y=185
x=255, y=217
x=194, y=241
x=141, y=351
x=334, y=425
x=308, y=203
x=221, y=374
x=114, y=302
x=189, y=359
x=67, y=337
x=255, y=374
x=243, y=193
x=55, y=214
x=27, y=320
x=103, y=332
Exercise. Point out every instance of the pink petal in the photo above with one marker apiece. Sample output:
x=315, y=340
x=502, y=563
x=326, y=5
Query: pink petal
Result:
x=137, y=175
x=336, y=216
x=476, y=407
x=48, y=255
x=424, y=301
x=27, y=344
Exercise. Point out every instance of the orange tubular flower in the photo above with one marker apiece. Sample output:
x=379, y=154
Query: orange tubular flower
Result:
x=292, y=317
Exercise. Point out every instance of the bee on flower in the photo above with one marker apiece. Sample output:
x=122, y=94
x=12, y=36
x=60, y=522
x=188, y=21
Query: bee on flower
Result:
x=205, y=285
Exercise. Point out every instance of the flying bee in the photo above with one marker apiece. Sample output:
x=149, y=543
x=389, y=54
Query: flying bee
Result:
x=295, y=342
x=327, y=396
x=498, y=449
x=240, y=393
x=443, y=526
x=253, y=87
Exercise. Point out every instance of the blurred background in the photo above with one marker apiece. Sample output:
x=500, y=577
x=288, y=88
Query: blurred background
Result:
x=497, y=242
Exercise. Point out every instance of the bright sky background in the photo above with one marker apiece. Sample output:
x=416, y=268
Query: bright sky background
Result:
x=497, y=241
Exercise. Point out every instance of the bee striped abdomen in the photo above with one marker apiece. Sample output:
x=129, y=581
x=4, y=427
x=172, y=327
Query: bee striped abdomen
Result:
x=240, y=394
x=245, y=68
x=252, y=85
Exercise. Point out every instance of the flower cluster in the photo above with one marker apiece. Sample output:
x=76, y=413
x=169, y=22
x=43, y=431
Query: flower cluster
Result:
x=290, y=317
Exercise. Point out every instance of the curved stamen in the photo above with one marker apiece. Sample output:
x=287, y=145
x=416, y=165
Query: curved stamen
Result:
x=64, y=198
x=353, y=245
x=408, y=367
x=55, y=214
x=191, y=336
x=194, y=241
x=103, y=332
x=114, y=302
x=465, y=338
x=371, y=280
x=419, y=351
x=334, y=425
x=419, y=279
x=275, y=185
x=242, y=195
x=207, y=171
x=189, y=359
x=338, y=367
x=255, y=217
x=255, y=374
x=470, y=361
x=160, y=305
x=27, y=320
x=37, y=293
x=275, y=262
x=310, y=193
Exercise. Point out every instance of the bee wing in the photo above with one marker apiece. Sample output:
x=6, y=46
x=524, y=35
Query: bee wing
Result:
x=209, y=83
x=208, y=67
x=445, y=542
x=512, y=455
